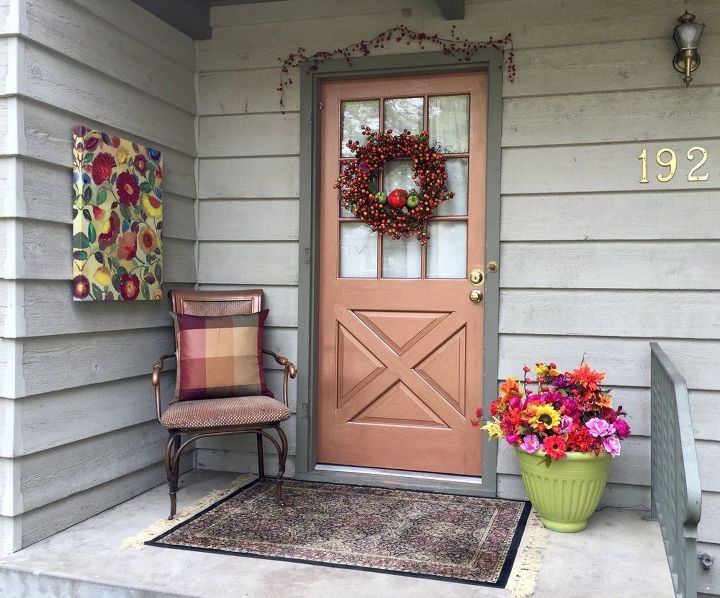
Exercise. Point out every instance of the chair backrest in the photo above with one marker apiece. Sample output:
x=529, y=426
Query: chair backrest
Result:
x=215, y=303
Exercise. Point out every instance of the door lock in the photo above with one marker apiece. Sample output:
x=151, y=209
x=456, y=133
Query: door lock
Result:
x=476, y=276
x=476, y=296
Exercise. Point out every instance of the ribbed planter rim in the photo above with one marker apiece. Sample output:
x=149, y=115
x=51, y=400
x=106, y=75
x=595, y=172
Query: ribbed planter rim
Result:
x=570, y=456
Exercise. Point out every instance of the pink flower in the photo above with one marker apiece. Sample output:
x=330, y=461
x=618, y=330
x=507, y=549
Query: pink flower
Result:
x=599, y=427
x=612, y=445
x=622, y=428
x=565, y=424
x=512, y=438
x=530, y=444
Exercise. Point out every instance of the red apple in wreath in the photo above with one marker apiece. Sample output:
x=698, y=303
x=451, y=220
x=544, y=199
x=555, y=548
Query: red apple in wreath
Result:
x=397, y=198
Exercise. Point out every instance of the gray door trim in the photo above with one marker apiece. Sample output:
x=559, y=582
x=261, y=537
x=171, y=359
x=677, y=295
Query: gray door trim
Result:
x=423, y=62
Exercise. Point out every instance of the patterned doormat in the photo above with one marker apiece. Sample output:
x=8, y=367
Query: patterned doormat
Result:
x=453, y=538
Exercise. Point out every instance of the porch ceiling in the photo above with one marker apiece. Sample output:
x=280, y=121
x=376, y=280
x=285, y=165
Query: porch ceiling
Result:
x=192, y=17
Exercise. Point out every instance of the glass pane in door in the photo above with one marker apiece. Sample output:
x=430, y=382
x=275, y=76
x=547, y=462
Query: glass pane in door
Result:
x=397, y=174
x=457, y=169
x=354, y=116
x=447, y=249
x=401, y=258
x=404, y=113
x=449, y=118
x=358, y=250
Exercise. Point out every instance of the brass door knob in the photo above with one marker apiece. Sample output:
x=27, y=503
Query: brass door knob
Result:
x=476, y=296
x=476, y=277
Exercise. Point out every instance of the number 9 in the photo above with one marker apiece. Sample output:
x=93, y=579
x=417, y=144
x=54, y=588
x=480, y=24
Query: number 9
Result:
x=671, y=164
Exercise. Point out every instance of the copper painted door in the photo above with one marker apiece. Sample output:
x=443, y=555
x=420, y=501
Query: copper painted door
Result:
x=400, y=342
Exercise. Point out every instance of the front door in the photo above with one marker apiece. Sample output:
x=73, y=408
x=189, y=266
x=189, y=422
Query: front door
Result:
x=400, y=341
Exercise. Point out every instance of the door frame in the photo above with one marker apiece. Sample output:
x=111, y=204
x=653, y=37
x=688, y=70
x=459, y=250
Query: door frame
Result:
x=489, y=60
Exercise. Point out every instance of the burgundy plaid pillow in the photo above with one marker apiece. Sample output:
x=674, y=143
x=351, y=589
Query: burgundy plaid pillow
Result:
x=220, y=356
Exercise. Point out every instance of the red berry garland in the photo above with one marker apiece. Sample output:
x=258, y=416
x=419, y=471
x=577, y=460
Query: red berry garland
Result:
x=401, y=213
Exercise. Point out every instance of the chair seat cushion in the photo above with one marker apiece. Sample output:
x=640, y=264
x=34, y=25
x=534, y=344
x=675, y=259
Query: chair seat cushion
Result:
x=221, y=413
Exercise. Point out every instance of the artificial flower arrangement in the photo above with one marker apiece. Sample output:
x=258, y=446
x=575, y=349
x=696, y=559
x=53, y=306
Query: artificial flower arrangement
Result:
x=557, y=413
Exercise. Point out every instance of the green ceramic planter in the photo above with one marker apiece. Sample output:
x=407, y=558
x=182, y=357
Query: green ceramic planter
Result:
x=568, y=492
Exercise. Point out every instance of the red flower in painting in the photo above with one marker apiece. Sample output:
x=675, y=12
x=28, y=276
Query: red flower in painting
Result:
x=128, y=189
x=91, y=143
x=81, y=286
x=102, y=167
x=109, y=231
x=127, y=246
x=140, y=163
x=129, y=287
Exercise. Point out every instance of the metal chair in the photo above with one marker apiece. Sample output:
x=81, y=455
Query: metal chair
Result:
x=224, y=416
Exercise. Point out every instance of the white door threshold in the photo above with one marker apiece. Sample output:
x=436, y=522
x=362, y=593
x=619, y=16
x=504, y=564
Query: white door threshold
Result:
x=418, y=475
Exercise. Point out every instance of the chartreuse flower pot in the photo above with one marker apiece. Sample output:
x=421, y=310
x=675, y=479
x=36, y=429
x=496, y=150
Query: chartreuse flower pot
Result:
x=567, y=492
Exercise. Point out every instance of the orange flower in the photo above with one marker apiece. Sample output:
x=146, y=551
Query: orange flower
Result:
x=586, y=377
x=510, y=387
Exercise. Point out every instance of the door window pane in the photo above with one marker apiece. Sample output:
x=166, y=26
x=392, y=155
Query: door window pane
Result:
x=457, y=169
x=354, y=115
x=358, y=251
x=397, y=174
x=446, y=249
x=449, y=119
x=404, y=113
x=401, y=258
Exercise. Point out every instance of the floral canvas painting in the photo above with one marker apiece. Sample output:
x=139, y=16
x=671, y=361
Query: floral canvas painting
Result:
x=117, y=218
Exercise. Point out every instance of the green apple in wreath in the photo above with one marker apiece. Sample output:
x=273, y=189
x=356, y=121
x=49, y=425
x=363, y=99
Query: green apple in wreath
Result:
x=412, y=201
x=381, y=197
x=397, y=198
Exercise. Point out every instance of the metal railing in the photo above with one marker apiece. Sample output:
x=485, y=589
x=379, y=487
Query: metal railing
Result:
x=676, y=496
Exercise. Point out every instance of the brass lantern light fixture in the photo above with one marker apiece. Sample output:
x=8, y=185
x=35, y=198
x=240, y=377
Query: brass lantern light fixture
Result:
x=687, y=36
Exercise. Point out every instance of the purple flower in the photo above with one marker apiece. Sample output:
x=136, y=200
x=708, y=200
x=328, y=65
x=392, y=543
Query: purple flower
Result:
x=515, y=403
x=612, y=445
x=622, y=429
x=565, y=424
x=560, y=381
x=530, y=444
x=599, y=427
x=570, y=406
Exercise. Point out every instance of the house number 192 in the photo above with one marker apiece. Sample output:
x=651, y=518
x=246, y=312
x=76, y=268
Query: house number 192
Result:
x=666, y=158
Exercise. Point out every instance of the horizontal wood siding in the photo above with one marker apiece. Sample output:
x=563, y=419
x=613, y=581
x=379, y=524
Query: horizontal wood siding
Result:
x=77, y=406
x=592, y=262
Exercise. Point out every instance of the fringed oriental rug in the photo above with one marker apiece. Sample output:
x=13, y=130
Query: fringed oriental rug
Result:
x=439, y=536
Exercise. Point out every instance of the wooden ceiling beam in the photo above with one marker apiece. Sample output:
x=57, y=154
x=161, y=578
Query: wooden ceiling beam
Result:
x=452, y=10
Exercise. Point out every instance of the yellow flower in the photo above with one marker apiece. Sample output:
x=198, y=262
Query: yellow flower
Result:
x=102, y=276
x=493, y=429
x=541, y=369
x=152, y=205
x=544, y=417
x=123, y=152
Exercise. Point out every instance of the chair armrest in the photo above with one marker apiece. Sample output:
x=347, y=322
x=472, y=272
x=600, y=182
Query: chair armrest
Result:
x=290, y=372
x=157, y=368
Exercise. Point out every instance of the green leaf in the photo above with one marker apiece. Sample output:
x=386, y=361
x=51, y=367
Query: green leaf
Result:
x=146, y=187
x=125, y=211
x=151, y=178
x=91, y=232
x=96, y=291
x=80, y=240
x=101, y=196
x=87, y=194
x=145, y=290
x=80, y=255
x=158, y=272
x=116, y=282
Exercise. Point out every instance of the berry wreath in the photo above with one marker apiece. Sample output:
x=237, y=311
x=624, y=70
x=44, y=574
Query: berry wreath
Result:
x=400, y=213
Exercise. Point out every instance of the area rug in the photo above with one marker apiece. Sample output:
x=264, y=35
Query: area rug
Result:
x=438, y=536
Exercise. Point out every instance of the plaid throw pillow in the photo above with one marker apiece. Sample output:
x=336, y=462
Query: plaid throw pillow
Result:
x=220, y=356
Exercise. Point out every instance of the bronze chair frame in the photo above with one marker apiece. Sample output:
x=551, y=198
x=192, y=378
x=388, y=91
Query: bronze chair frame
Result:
x=192, y=303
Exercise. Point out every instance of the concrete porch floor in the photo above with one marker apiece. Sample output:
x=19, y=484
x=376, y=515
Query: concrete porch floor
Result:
x=619, y=555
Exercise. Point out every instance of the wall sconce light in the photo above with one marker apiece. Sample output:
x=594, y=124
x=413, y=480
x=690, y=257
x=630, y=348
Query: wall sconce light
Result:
x=687, y=38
